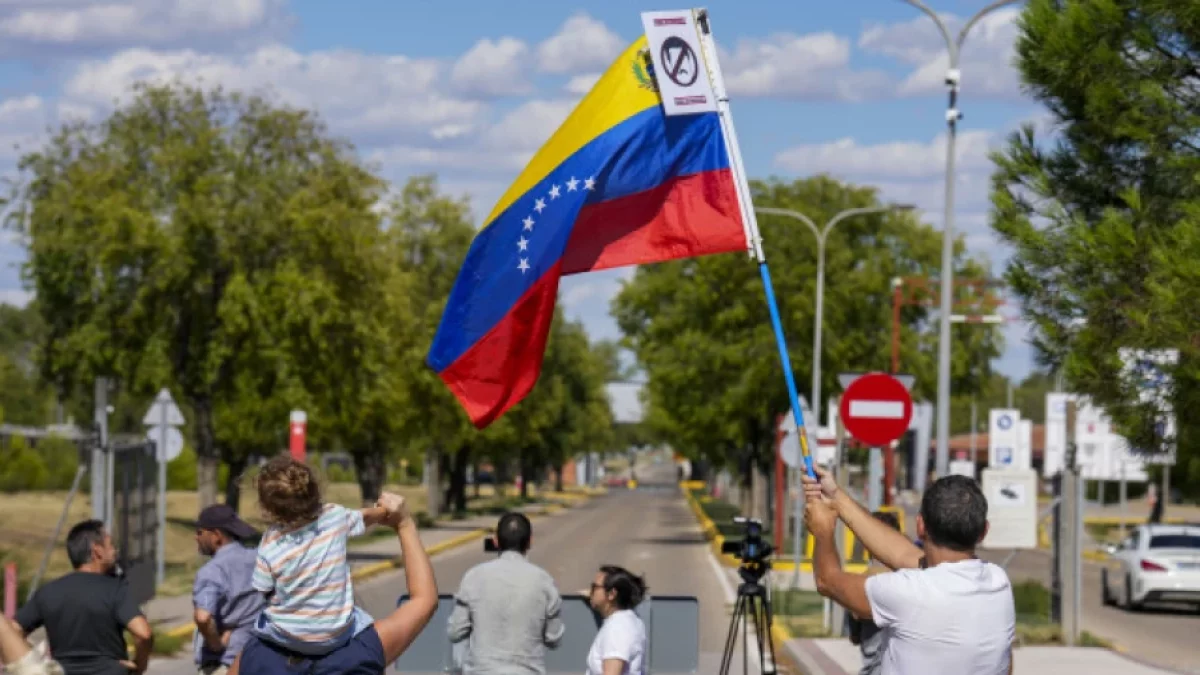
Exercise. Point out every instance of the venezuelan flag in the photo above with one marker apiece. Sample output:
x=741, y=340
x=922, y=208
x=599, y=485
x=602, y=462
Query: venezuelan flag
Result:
x=619, y=183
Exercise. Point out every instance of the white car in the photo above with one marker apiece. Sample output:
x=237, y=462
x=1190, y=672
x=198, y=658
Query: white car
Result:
x=1156, y=563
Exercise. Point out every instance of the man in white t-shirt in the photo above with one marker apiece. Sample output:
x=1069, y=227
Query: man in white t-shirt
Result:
x=942, y=610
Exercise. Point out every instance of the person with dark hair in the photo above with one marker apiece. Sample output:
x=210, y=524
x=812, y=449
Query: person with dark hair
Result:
x=620, y=648
x=86, y=612
x=224, y=603
x=923, y=606
x=507, y=609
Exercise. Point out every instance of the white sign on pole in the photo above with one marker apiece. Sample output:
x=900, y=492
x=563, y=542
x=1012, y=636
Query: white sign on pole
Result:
x=1024, y=444
x=163, y=411
x=962, y=467
x=1092, y=431
x=1149, y=370
x=1054, y=448
x=1003, y=433
x=680, y=70
x=170, y=445
x=1012, y=508
x=163, y=417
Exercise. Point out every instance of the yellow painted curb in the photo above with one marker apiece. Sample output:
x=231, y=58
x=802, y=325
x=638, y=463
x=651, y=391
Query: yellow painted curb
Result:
x=367, y=571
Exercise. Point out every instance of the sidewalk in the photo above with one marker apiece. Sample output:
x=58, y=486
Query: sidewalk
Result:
x=834, y=656
x=367, y=559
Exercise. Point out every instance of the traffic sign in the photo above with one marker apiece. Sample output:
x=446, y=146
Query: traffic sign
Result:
x=876, y=409
x=169, y=446
x=154, y=416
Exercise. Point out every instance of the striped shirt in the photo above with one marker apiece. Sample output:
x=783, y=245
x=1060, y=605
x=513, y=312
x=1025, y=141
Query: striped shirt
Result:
x=306, y=575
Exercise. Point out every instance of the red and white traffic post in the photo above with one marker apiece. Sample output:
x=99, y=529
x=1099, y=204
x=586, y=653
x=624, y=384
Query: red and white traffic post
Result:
x=877, y=409
x=297, y=429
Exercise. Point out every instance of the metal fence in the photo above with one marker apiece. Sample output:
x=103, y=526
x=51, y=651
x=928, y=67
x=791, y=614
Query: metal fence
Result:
x=135, y=514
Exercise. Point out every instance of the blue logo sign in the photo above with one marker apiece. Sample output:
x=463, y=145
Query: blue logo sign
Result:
x=1004, y=455
x=1004, y=422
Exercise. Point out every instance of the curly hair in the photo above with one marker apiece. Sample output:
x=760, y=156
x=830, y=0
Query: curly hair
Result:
x=288, y=492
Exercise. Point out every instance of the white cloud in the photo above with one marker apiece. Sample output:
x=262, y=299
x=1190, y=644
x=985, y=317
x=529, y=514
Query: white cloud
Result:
x=493, y=68
x=21, y=121
x=379, y=95
x=813, y=66
x=905, y=160
x=986, y=61
x=91, y=24
x=15, y=296
x=528, y=126
x=581, y=45
x=581, y=84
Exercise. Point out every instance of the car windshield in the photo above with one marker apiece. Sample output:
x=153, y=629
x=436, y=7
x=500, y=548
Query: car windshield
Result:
x=1175, y=541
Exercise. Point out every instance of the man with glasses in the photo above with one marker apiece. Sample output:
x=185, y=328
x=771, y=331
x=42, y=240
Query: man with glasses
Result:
x=508, y=608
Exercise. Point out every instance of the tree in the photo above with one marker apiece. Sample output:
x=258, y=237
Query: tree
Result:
x=700, y=329
x=430, y=234
x=190, y=239
x=1105, y=220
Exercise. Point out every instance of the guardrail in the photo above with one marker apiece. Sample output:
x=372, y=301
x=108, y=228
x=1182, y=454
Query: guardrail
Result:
x=672, y=631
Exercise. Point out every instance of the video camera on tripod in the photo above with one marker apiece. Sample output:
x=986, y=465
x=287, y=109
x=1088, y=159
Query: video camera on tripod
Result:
x=751, y=549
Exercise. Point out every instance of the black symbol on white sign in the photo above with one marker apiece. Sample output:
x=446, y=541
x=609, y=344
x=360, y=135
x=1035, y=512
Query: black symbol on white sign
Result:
x=680, y=61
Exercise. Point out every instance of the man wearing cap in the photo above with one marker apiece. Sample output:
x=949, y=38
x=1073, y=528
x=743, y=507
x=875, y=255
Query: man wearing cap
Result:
x=226, y=605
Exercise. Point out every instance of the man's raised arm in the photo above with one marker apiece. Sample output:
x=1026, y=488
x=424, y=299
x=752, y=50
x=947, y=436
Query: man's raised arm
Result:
x=885, y=544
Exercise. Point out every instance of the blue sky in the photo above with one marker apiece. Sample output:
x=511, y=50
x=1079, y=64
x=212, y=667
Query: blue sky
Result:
x=469, y=90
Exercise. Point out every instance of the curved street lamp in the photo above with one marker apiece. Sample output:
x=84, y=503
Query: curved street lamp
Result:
x=954, y=47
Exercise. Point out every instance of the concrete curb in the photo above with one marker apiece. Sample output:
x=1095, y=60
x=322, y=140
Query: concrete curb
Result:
x=375, y=569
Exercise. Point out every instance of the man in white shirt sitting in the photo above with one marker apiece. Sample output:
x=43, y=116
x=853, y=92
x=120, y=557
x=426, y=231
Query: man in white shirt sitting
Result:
x=942, y=610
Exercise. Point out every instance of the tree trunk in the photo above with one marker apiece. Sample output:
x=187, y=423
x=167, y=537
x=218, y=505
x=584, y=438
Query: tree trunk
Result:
x=369, y=469
x=475, y=472
x=233, y=482
x=206, y=456
x=502, y=477
x=456, y=494
x=524, y=461
x=433, y=482
x=558, y=477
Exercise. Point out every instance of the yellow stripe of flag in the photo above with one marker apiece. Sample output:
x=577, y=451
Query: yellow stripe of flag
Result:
x=619, y=94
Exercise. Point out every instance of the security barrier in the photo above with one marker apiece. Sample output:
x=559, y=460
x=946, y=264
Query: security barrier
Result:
x=672, y=630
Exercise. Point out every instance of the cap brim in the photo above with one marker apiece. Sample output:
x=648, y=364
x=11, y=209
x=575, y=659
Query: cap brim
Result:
x=241, y=529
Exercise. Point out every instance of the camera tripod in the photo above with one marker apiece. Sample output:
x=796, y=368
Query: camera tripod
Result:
x=752, y=605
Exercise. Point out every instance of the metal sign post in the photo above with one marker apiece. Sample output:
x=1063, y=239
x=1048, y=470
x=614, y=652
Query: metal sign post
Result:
x=163, y=418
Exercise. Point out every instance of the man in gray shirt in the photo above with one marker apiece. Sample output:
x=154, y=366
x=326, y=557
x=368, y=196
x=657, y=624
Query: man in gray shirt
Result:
x=507, y=608
x=225, y=603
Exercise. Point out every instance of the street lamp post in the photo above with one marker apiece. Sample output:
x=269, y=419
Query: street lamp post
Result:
x=954, y=47
x=821, y=233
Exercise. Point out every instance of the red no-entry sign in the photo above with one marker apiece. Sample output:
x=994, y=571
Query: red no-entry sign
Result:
x=876, y=409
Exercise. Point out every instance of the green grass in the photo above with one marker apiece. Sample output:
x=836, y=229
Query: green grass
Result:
x=800, y=611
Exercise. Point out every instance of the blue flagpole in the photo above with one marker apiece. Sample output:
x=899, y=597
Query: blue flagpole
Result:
x=785, y=359
x=750, y=223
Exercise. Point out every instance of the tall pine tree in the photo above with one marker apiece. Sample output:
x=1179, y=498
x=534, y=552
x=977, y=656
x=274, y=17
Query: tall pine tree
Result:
x=1105, y=216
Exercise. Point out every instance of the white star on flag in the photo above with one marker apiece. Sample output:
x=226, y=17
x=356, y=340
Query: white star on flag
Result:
x=572, y=184
x=522, y=243
x=528, y=223
x=524, y=266
x=554, y=192
x=539, y=205
x=589, y=184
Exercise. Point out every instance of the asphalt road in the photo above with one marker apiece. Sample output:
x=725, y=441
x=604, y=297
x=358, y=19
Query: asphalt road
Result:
x=649, y=530
x=1163, y=635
